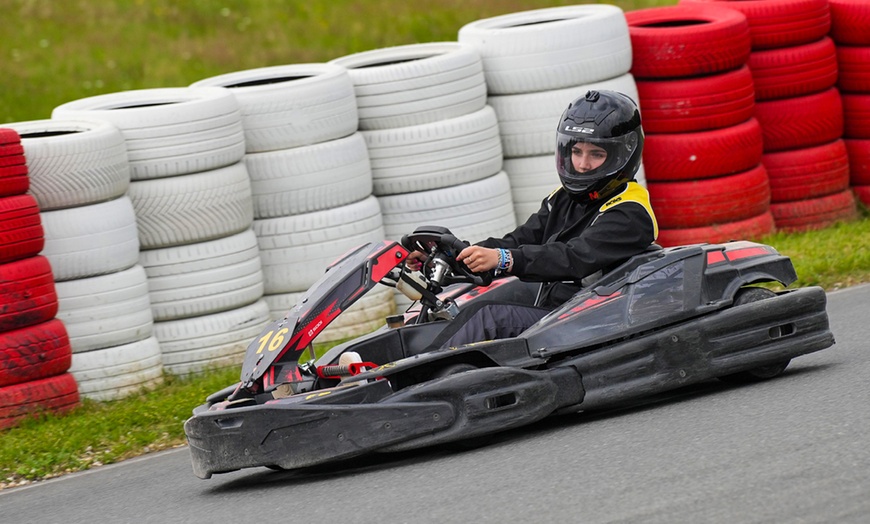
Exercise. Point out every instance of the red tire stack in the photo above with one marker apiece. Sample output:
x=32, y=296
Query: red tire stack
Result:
x=850, y=31
x=794, y=68
x=35, y=353
x=703, y=147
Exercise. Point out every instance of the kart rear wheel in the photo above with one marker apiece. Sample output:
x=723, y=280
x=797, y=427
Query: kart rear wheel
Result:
x=745, y=296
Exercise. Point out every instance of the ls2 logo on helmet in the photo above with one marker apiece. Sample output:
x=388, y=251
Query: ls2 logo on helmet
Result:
x=575, y=129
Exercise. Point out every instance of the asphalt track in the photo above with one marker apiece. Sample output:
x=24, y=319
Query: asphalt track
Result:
x=794, y=449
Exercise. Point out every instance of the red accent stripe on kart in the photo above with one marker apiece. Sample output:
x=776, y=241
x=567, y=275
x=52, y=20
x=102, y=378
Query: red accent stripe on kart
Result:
x=589, y=303
x=715, y=257
x=387, y=260
x=747, y=252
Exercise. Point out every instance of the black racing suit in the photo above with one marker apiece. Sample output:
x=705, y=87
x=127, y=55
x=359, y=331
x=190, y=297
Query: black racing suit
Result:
x=559, y=245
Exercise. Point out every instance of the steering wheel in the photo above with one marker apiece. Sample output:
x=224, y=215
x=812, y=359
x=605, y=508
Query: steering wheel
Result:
x=439, y=242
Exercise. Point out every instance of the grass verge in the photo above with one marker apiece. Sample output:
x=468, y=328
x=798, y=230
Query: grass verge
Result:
x=101, y=433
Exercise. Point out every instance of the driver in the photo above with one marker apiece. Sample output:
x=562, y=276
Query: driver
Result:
x=598, y=218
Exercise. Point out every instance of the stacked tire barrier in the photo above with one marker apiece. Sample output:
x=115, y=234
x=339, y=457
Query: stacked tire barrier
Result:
x=311, y=181
x=535, y=63
x=794, y=69
x=433, y=142
x=80, y=175
x=192, y=211
x=850, y=20
x=703, y=147
x=35, y=352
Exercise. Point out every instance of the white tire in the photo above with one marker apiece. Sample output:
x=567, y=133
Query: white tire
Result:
x=74, y=163
x=105, y=311
x=532, y=178
x=169, y=131
x=310, y=178
x=435, y=155
x=203, y=278
x=295, y=250
x=88, y=241
x=364, y=316
x=415, y=84
x=472, y=211
x=527, y=122
x=119, y=371
x=196, y=344
x=552, y=48
x=192, y=208
x=292, y=105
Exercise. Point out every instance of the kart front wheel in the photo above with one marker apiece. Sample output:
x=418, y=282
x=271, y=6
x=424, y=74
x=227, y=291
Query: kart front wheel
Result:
x=744, y=296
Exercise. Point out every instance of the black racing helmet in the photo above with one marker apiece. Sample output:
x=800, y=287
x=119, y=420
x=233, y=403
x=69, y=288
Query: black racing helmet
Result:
x=609, y=120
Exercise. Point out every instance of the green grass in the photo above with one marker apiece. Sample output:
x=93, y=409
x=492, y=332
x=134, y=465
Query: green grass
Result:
x=55, y=52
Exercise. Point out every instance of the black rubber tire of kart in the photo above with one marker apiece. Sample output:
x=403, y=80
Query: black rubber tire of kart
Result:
x=745, y=296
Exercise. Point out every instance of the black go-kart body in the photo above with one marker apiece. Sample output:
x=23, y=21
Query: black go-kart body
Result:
x=663, y=319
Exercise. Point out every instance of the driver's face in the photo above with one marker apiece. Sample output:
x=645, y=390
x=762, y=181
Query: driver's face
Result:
x=587, y=157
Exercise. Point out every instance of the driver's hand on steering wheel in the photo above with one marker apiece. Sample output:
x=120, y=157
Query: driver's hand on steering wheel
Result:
x=415, y=260
x=479, y=259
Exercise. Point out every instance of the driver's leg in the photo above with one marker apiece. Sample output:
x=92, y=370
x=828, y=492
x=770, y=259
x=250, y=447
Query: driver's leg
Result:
x=488, y=321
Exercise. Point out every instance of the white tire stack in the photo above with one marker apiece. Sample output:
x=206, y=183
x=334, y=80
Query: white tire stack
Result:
x=433, y=141
x=79, y=175
x=191, y=197
x=311, y=181
x=537, y=62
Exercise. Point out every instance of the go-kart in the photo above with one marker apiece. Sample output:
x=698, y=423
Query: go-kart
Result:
x=664, y=319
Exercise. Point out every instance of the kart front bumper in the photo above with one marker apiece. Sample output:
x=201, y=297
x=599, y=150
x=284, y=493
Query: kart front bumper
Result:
x=292, y=434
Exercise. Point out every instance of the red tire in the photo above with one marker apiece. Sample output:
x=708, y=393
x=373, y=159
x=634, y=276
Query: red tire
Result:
x=859, y=161
x=27, y=296
x=853, y=65
x=21, y=234
x=849, y=21
x=863, y=194
x=700, y=203
x=794, y=71
x=687, y=40
x=814, y=213
x=702, y=154
x=856, y=108
x=813, y=172
x=34, y=352
x=749, y=229
x=56, y=394
x=803, y=121
x=696, y=104
x=781, y=23
x=13, y=165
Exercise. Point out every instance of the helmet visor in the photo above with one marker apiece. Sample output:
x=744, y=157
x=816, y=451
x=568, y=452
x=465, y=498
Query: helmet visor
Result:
x=583, y=161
